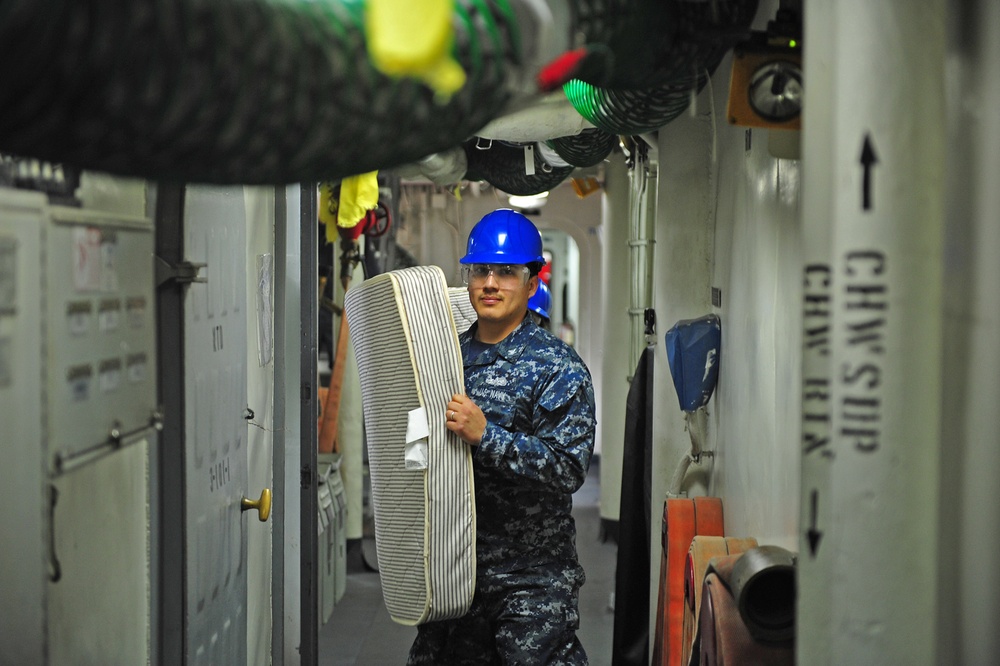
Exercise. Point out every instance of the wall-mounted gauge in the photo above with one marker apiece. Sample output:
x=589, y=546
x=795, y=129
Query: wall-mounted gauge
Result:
x=766, y=88
x=775, y=92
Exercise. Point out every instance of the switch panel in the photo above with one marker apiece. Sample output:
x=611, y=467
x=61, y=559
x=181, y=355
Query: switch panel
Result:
x=100, y=332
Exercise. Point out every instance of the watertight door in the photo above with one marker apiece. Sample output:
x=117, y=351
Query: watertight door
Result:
x=215, y=427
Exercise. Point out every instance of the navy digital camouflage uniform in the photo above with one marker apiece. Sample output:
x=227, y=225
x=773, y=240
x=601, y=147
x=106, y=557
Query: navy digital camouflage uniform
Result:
x=538, y=399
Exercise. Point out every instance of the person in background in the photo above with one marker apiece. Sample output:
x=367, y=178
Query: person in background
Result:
x=528, y=414
x=539, y=304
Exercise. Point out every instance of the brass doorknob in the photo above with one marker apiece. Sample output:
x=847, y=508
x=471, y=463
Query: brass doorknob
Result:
x=263, y=505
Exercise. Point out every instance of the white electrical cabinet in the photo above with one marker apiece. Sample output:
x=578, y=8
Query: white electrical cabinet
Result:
x=22, y=521
x=78, y=406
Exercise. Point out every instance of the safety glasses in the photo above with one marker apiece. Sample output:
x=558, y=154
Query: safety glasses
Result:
x=506, y=275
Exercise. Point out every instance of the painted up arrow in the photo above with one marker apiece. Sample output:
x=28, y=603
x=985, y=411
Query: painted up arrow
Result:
x=813, y=534
x=868, y=160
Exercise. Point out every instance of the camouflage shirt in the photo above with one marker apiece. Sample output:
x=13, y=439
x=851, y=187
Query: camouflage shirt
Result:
x=538, y=399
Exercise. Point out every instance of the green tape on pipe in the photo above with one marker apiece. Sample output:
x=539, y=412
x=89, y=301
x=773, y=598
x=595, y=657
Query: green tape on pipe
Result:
x=475, y=52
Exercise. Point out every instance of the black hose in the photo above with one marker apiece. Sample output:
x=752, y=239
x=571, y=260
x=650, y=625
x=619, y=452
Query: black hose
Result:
x=502, y=166
x=585, y=149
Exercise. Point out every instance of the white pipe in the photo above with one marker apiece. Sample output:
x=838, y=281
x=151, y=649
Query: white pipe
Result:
x=536, y=119
x=677, y=478
x=612, y=355
x=696, y=423
x=815, y=561
x=886, y=330
x=640, y=241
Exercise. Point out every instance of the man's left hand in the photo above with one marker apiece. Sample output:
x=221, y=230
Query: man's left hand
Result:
x=465, y=419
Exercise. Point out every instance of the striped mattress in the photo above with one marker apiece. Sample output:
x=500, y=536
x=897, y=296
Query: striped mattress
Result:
x=403, y=331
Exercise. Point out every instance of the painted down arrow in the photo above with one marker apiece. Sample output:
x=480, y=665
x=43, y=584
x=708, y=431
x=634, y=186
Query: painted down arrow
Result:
x=813, y=534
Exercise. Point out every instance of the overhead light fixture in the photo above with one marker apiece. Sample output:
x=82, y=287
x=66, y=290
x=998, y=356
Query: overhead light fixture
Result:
x=530, y=202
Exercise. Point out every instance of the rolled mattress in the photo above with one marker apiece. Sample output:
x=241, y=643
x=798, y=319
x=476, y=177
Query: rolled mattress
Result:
x=461, y=308
x=403, y=331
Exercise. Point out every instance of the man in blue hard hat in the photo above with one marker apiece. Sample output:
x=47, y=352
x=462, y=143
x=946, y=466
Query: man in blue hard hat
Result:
x=539, y=305
x=528, y=413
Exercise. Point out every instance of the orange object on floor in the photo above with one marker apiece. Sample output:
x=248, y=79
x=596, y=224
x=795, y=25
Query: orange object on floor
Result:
x=723, y=637
x=702, y=550
x=683, y=519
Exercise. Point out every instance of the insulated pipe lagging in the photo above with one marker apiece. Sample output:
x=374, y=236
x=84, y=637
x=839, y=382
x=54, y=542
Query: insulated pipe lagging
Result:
x=229, y=91
x=252, y=91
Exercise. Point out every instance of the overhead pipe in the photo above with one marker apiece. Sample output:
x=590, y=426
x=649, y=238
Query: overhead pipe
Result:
x=258, y=91
x=536, y=119
x=444, y=168
x=248, y=91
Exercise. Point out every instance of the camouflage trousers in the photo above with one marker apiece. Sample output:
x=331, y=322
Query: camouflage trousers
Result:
x=525, y=618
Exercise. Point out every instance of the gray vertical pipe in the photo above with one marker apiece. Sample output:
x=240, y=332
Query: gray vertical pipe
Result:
x=970, y=457
x=308, y=413
x=278, y=472
x=171, y=499
x=288, y=420
x=888, y=127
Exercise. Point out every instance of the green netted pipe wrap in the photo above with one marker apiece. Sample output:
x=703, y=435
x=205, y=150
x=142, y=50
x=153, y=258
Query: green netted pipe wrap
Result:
x=233, y=91
x=631, y=111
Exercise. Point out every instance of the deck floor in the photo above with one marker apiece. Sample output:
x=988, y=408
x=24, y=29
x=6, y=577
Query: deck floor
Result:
x=360, y=632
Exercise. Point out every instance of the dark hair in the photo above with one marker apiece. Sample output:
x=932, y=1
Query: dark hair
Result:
x=534, y=268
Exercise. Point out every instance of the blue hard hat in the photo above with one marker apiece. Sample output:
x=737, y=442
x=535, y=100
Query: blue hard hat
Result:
x=541, y=301
x=504, y=237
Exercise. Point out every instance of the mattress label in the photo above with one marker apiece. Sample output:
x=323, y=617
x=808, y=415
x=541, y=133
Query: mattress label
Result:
x=415, y=456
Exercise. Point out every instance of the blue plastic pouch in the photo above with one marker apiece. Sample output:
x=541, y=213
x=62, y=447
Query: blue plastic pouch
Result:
x=693, y=347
